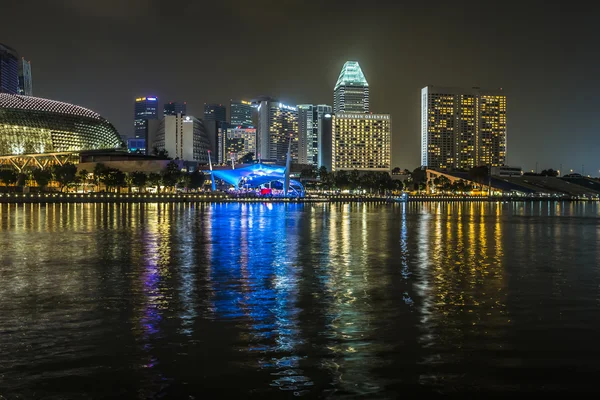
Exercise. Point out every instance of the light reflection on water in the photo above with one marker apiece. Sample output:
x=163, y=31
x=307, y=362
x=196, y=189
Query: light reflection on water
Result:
x=155, y=300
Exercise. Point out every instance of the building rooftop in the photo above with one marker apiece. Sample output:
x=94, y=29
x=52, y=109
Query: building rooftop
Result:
x=351, y=75
x=30, y=103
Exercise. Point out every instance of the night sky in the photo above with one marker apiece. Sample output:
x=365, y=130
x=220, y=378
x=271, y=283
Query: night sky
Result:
x=545, y=55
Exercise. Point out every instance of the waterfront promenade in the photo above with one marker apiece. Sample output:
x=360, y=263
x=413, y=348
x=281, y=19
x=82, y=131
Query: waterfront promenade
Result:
x=220, y=197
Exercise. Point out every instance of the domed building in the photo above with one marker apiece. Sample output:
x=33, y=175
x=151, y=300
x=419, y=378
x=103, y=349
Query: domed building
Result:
x=32, y=125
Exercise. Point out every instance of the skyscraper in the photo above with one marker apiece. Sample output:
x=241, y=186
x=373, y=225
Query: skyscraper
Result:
x=277, y=124
x=362, y=142
x=174, y=108
x=235, y=142
x=215, y=115
x=9, y=70
x=25, y=82
x=325, y=146
x=241, y=113
x=310, y=127
x=462, y=128
x=146, y=108
x=183, y=137
x=351, y=91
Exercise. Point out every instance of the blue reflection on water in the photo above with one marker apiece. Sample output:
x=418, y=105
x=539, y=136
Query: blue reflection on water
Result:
x=254, y=277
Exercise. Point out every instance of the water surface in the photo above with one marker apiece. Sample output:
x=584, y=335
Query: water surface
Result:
x=282, y=300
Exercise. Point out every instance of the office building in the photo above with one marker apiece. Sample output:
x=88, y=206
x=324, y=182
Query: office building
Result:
x=146, y=109
x=277, y=125
x=9, y=70
x=174, y=108
x=351, y=91
x=362, y=142
x=183, y=137
x=215, y=115
x=310, y=127
x=25, y=82
x=136, y=145
x=235, y=142
x=240, y=112
x=462, y=128
x=325, y=145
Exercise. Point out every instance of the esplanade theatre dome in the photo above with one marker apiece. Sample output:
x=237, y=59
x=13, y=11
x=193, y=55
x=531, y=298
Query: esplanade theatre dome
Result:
x=30, y=125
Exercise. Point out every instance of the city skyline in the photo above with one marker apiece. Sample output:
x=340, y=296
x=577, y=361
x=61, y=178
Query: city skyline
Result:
x=533, y=60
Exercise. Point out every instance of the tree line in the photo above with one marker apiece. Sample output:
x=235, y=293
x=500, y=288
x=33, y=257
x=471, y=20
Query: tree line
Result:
x=374, y=182
x=66, y=177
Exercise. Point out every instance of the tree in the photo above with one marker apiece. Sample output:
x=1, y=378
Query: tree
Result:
x=171, y=175
x=139, y=180
x=65, y=175
x=418, y=177
x=128, y=182
x=308, y=173
x=354, y=178
x=342, y=180
x=396, y=171
x=42, y=177
x=160, y=153
x=384, y=182
x=8, y=177
x=196, y=180
x=100, y=171
x=549, y=172
x=113, y=177
x=324, y=177
x=82, y=177
x=369, y=180
x=398, y=185
x=247, y=158
x=155, y=179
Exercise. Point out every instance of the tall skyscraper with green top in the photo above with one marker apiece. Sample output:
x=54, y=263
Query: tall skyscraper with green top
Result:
x=351, y=91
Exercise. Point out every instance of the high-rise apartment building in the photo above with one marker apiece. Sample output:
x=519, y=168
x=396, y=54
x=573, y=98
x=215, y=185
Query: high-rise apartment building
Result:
x=145, y=109
x=310, y=128
x=25, y=81
x=462, y=128
x=240, y=112
x=361, y=141
x=277, y=125
x=351, y=91
x=215, y=115
x=183, y=137
x=9, y=70
x=235, y=142
x=174, y=108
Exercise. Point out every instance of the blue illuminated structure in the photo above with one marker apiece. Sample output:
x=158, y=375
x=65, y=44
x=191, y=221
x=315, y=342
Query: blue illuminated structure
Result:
x=259, y=176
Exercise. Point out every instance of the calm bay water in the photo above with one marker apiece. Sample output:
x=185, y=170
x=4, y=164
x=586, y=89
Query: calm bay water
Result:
x=284, y=300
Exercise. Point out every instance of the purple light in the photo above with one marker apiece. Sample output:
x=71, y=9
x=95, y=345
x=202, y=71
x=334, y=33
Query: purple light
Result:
x=151, y=98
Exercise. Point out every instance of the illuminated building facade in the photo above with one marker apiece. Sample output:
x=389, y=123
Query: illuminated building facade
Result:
x=351, y=91
x=9, y=70
x=235, y=142
x=174, y=108
x=145, y=109
x=241, y=113
x=310, y=132
x=183, y=137
x=277, y=124
x=362, y=142
x=30, y=125
x=462, y=128
x=25, y=81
